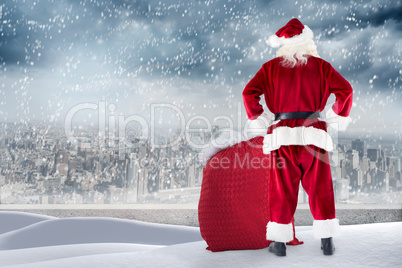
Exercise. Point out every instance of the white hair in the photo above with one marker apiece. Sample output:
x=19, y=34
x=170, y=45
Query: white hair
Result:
x=297, y=55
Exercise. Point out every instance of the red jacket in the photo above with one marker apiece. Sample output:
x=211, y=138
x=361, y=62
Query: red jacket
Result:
x=301, y=88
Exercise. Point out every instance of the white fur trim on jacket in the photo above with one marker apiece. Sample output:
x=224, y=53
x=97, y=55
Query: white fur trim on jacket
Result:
x=259, y=126
x=336, y=121
x=279, y=232
x=306, y=35
x=297, y=136
x=326, y=228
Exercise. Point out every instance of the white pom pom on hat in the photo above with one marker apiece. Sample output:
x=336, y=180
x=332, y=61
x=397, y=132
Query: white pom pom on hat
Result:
x=294, y=33
x=274, y=41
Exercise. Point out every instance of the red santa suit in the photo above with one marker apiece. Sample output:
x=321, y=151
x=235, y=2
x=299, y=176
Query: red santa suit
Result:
x=298, y=147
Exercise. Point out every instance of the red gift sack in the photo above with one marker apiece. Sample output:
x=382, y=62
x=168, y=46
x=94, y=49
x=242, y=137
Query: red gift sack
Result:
x=233, y=207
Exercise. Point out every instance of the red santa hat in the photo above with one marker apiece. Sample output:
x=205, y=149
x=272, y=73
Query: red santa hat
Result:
x=294, y=33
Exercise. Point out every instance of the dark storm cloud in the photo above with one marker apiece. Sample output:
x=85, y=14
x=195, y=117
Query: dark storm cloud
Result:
x=217, y=44
x=12, y=50
x=13, y=40
x=361, y=16
x=59, y=24
x=379, y=15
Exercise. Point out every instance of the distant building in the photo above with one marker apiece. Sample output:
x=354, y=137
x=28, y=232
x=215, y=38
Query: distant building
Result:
x=398, y=177
x=61, y=162
x=360, y=147
x=51, y=183
x=120, y=173
x=83, y=147
x=343, y=164
x=336, y=173
x=382, y=161
x=373, y=165
x=365, y=165
x=356, y=179
x=192, y=174
x=137, y=176
x=133, y=171
x=373, y=154
x=382, y=181
x=395, y=163
x=367, y=178
x=393, y=183
x=353, y=158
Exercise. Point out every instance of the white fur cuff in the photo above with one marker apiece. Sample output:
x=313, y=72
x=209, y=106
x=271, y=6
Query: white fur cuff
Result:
x=325, y=228
x=279, y=232
x=259, y=126
x=337, y=122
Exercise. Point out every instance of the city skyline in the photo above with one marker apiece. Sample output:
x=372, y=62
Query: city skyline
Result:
x=51, y=170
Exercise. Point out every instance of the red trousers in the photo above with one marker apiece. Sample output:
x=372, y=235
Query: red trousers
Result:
x=292, y=164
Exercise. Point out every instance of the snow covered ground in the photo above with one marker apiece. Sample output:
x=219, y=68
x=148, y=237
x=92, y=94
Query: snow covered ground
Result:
x=30, y=240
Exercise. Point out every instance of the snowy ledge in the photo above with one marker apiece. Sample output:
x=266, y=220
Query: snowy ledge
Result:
x=186, y=214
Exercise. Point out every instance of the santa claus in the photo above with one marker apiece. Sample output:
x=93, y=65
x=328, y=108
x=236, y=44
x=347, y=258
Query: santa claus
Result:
x=296, y=86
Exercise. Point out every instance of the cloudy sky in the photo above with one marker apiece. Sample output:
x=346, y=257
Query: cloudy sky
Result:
x=193, y=55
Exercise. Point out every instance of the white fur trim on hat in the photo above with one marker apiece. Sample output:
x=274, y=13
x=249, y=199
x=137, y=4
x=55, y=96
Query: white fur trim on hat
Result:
x=279, y=232
x=326, y=228
x=336, y=121
x=305, y=36
x=297, y=136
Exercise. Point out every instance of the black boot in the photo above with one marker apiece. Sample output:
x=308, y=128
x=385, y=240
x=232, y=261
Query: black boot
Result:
x=327, y=246
x=278, y=248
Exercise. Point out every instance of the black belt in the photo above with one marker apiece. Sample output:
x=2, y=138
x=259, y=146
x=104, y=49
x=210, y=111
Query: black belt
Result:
x=297, y=115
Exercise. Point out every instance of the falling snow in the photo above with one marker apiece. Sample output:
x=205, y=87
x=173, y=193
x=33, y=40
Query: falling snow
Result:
x=195, y=56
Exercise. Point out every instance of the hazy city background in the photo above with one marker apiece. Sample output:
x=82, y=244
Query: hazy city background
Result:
x=84, y=69
x=39, y=165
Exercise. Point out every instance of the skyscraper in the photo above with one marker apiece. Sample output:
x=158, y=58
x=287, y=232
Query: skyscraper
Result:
x=353, y=158
x=132, y=179
x=359, y=146
x=373, y=154
x=61, y=162
x=396, y=162
x=382, y=181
